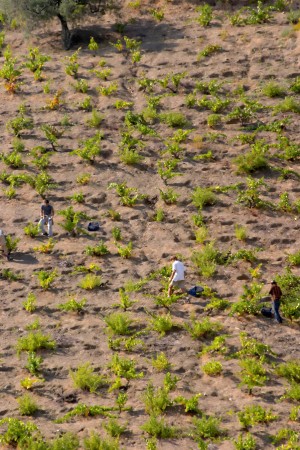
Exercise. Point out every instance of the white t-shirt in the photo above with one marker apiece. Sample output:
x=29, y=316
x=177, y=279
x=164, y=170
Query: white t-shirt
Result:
x=179, y=270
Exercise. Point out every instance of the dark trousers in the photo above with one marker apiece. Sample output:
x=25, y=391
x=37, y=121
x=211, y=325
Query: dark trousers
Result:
x=276, y=305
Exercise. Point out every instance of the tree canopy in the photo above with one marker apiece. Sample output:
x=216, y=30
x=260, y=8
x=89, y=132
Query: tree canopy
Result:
x=35, y=11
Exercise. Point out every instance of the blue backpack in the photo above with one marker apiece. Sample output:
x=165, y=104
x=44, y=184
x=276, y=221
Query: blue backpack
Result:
x=196, y=291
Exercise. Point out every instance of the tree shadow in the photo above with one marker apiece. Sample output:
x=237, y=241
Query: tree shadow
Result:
x=23, y=258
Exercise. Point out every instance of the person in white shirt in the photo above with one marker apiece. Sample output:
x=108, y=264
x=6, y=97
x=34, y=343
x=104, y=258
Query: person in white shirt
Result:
x=177, y=276
x=3, y=245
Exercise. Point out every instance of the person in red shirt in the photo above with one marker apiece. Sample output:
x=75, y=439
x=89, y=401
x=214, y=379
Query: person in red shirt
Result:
x=276, y=295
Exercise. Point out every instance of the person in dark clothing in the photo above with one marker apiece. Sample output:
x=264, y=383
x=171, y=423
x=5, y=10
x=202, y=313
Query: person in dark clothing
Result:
x=276, y=295
x=47, y=213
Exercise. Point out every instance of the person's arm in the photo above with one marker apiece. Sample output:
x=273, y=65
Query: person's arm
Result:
x=172, y=275
x=42, y=213
x=52, y=211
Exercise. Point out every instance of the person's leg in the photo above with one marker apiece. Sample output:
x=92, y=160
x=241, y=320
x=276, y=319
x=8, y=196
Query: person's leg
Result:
x=41, y=225
x=50, y=231
x=276, y=305
x=170, y=289
x=3, y=245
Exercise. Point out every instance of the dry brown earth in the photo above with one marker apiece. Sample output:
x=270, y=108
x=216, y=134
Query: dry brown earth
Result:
x=250, y=57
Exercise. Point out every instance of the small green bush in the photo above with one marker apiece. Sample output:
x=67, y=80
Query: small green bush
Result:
x=212, y=368
x=253, y=414
x=203, y=197
x=27, y=405
x=207, y=427
x=174, y=119
x=119, y=323
x=253, y=374
x=245, y=442
x=98, y=250
x=73, y=305
x=202, y=328
x=35, y=341
x=157, y=427
x=30, y=303
x=273, y=89
x=90, y=282
x=161, y=362
x=85, y=378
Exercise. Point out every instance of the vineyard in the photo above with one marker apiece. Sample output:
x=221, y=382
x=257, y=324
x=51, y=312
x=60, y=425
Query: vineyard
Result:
x=175, y=126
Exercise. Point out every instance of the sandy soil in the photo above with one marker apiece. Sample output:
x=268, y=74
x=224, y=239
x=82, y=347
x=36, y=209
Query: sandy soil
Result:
x=250, y=57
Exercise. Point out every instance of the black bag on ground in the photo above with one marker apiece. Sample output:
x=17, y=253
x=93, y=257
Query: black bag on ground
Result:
x=196, y=291
x=267, y=312
x=93, y=226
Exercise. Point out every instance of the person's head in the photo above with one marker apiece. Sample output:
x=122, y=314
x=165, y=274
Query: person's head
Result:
x=174, y=258
x=273, y=282
x=46, y=201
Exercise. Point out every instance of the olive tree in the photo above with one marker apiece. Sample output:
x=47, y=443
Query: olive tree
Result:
x=66, y=11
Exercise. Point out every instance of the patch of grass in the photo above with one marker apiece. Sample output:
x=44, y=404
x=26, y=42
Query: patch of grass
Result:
x=250, y=300
x=245, y=442
x=169, y=196
x=174, y=119
x=240, y=232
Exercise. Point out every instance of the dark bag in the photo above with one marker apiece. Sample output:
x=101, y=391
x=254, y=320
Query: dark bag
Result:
x=93, y=226
x=196, y=291
x=267, y=312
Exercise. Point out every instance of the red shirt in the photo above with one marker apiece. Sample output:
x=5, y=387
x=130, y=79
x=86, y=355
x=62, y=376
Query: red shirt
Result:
x=275, y=292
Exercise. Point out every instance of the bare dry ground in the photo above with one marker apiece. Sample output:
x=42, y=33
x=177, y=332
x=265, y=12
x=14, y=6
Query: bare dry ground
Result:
x=247, y=59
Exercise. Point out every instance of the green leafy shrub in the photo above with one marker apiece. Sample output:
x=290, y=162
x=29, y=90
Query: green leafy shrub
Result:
x=212, y=368
x=203, y=197
x=240, y=232
x=207, y=427
x=113, y=428
x=169, y=196
x=46, y=278
x=156, y=400
x=33, y=363
x=253, y=414
x=251, y=347
x=31, y=230
x=82, y=410
x=73, y=305
x=157, y=427
x=162, y=323
x=273, y=89
x=290, y=370
x=119, y=323
x=294, y=258
x=161, y=362
x=174, y=119
x=30, y=303
x=27, y=405
x=35, y=341
x=217, y=346
x=249, y=302
x=98, y=250
x=245, y=442
x=95, y=442
x=202, y=328
x=125, y=251
x=191, y=404
x=17, y=433
x=209, y=50
x=85, y=378
x=254, y=160
x=90, y=282
x=253, y=373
